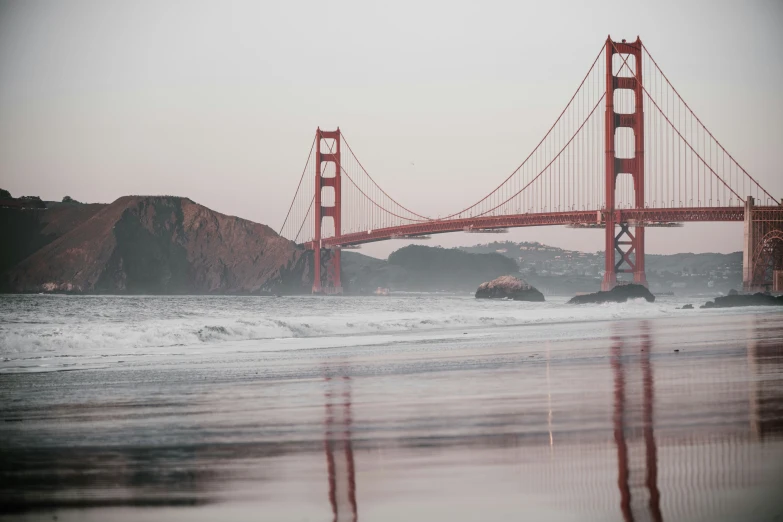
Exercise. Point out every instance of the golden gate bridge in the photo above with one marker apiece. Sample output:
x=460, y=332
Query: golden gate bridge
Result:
x=626, y=153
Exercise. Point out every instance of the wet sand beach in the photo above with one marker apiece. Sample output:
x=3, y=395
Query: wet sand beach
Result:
x=672, y=417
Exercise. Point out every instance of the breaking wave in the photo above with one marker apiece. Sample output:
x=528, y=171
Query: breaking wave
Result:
x=44, y=327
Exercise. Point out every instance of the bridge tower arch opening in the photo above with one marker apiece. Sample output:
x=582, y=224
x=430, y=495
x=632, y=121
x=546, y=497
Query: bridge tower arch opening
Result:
x=327, y=153
x=624, y=248
x=762, y=256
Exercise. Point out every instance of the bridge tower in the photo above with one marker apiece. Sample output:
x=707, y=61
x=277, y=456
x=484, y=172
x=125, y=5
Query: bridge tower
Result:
x=322, y=158
x=624, y=243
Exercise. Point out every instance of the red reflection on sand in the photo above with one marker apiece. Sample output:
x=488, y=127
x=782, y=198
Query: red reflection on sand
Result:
x=339, y=452
x=648, y=430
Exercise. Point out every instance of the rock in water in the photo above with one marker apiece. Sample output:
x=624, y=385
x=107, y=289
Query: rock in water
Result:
x=508, y=287
x=618, y=294
x=737, y=299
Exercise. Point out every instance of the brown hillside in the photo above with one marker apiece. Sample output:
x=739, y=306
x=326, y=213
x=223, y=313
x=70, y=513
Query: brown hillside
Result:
x=61, y=218
x=25, y=230
x=164, y=245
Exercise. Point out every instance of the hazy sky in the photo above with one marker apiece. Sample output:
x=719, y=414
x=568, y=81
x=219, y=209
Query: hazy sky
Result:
x=219, y=100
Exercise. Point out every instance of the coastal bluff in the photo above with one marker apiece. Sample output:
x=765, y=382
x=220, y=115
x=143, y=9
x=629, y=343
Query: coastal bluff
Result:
x=159, y=245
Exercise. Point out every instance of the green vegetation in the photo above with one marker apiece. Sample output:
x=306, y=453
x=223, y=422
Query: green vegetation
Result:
x=443, y=268
x=423, y=268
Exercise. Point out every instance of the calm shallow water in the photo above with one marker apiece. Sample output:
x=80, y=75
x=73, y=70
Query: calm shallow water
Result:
x=413, y=407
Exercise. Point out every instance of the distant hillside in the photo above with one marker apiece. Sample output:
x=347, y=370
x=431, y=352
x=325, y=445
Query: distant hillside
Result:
x=441, y=268
x=689, y=263
x=363, y=274
x=543, y=257
x=423, y=268
x=560, y=270
x=146, y=244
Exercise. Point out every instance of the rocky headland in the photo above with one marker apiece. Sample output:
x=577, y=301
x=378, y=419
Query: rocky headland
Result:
x=508, y=287
x=147, y=245
x=618, y=294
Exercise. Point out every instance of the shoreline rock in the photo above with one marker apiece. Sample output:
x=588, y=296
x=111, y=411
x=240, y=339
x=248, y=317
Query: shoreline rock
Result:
x=735, y=299
x=618, y=294
x=509, y=287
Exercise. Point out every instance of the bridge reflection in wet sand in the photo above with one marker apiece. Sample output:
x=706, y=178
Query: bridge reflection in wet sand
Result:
x=339, y=449
x=700, y=469
x=609, y=424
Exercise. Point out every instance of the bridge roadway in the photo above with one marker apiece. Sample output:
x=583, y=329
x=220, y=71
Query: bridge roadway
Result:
x=585, y=217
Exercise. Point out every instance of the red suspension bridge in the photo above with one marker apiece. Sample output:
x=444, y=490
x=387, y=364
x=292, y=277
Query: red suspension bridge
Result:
x=626, y=153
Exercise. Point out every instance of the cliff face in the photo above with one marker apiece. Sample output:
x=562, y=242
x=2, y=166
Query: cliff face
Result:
x=162, y=245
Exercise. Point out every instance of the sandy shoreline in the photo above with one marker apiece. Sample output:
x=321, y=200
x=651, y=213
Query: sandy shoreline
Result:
x=582, y=421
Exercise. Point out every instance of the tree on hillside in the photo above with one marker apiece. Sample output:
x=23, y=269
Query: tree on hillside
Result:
x=4, y=193
x=69, y=199
x=32, y=202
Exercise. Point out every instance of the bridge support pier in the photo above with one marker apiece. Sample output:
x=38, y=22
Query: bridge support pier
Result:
x=610, y=277
x=317, y=270
x=623, y=244
x=639, y=274
x=329, y=259
x=748, y=246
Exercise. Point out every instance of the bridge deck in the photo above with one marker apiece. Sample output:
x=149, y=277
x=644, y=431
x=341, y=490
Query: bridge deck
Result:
x=594, y=217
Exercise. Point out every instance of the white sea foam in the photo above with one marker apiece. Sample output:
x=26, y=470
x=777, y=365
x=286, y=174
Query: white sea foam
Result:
x=44, y=327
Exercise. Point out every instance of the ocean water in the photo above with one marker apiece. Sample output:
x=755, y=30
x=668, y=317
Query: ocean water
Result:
x=59, y=332
x=415, y=406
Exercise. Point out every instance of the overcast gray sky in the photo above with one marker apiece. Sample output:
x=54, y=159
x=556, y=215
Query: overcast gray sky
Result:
x=219, y=100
